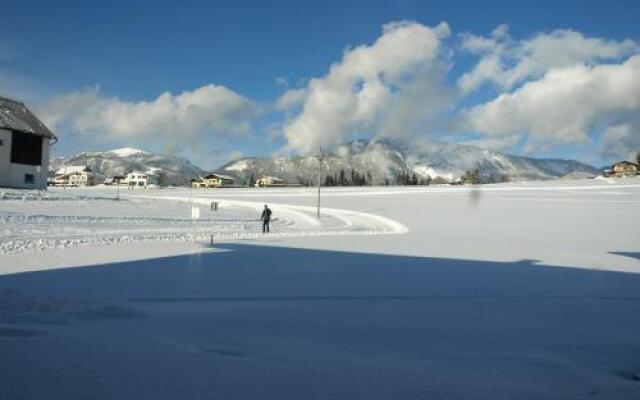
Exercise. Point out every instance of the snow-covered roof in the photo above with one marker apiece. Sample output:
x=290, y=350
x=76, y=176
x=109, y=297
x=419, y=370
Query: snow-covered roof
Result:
x=626, y=163
x=141, y=173
x=16, y=117
x=220, y=176
x=72, y=169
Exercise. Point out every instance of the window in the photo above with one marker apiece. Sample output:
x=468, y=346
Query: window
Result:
x=1, y=142
x=29, y=178
x=26, y=149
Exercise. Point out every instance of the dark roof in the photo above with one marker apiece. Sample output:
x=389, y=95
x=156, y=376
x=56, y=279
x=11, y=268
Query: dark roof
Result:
x=213, y=176
x=16, y=116
x=626, y=163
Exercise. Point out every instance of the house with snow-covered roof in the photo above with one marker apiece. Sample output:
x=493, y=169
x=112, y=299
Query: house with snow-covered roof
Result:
x=138, y=179
x=623, y=168
x=213, y=180
x=74, y=175
x=24, y=147
x=266, y=181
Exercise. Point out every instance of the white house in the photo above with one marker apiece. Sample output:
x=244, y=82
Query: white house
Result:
x=137, y=179
x=74, y=175
x=24, y=147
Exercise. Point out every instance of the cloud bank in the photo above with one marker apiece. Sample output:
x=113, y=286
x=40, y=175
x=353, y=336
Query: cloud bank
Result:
x=564, y=106
x=506, y=62
x=370, y=90
x=204, y=112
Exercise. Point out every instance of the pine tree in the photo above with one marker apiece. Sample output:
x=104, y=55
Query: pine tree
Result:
x=471, y=177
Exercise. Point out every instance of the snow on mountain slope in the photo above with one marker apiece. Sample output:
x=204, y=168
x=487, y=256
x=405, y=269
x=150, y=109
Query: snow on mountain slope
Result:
x=127, y=151
x=171, y=170
x=384, y=161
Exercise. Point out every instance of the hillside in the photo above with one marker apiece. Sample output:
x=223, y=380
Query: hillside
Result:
x=385, y=161
x=171, y=170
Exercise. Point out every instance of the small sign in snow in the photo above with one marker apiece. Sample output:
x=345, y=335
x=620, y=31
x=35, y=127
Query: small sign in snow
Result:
x=195, y=212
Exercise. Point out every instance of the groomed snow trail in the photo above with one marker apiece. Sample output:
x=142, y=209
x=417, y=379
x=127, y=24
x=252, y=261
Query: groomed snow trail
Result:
x=34, y=226
x=333, y=221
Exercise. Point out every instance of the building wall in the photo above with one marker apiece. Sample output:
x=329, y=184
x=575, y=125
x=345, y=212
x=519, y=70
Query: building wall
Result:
x=13, y=175
x=140, y=180
x=5, y=156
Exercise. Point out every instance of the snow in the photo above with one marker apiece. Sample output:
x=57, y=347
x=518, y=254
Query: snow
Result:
x=71, y=169
x=237, y=166
x=510, y=291
x=127, y=152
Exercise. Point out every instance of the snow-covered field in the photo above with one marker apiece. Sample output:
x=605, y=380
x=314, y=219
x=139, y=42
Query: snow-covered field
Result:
x=511, y=291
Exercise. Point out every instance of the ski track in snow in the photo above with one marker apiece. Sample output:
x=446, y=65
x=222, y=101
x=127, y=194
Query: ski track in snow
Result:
x=37, y=232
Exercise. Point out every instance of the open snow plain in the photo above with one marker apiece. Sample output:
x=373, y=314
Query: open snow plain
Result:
x=513, y=291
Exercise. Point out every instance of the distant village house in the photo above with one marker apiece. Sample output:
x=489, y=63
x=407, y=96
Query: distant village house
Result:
x=137, y=179
x=213, y=180
x=24, y=147
x=74, y=175
x=267, y=181
x=623, y=168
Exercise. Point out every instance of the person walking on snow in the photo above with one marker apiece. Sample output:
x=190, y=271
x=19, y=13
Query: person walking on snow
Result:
x=266, y=217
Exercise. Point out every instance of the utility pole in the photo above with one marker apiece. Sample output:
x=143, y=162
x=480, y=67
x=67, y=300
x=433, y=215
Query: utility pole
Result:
x=319, y=182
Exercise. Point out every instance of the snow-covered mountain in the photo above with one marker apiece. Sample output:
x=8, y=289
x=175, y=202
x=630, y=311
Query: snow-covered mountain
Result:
x=171, y=170
x=386, y=161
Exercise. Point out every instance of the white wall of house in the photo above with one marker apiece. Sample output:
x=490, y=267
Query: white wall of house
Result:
x=140, y=179
x=17, y=175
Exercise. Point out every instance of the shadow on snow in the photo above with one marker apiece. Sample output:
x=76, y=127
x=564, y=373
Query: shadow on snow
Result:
x=274, y=322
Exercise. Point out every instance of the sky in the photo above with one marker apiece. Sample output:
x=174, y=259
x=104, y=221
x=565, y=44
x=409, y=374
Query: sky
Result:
x=214, y=81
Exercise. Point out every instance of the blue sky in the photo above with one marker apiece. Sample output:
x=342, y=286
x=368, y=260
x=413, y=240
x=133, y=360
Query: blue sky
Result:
x=115, y=56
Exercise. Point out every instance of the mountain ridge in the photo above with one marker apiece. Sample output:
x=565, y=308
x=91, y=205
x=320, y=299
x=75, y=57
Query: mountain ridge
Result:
x=386, y=161
x=358, y=162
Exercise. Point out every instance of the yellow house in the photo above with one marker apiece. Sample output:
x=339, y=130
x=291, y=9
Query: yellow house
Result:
x=265, y=181
x=212, y=180
x=623, y=168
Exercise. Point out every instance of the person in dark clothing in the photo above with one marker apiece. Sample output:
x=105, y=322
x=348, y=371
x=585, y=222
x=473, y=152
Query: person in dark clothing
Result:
x=266, y=217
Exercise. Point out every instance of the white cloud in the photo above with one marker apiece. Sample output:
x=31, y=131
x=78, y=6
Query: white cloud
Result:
x=359, y=91
x=507, y=63
x=208, y=110
x=564, y=105
x=290, y=99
